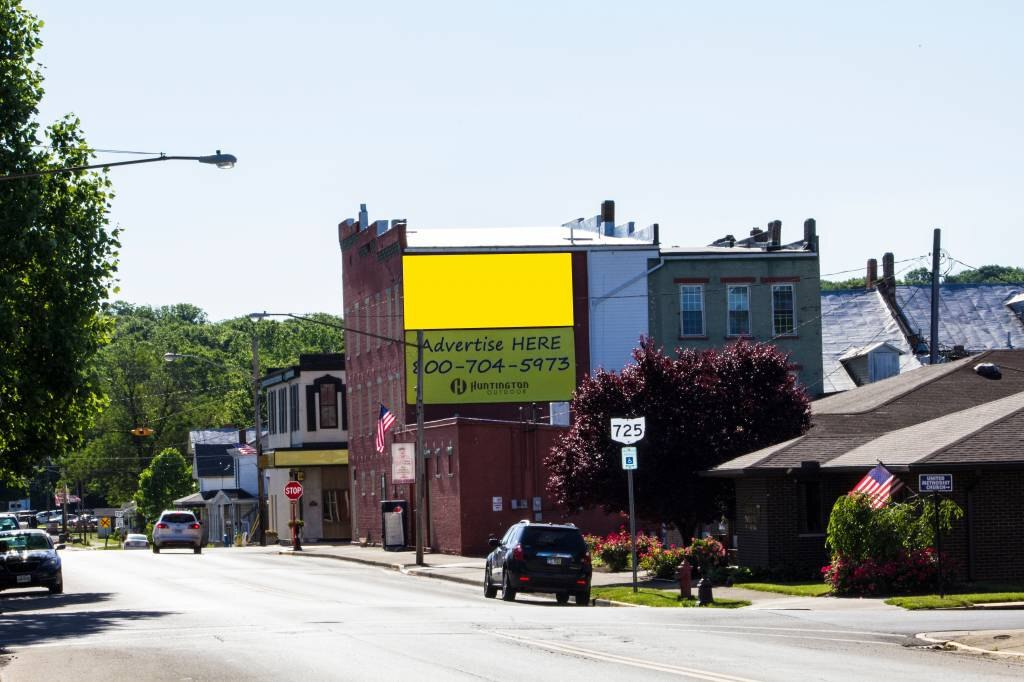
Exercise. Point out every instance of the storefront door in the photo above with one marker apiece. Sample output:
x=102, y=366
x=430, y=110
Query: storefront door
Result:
x=337, y=516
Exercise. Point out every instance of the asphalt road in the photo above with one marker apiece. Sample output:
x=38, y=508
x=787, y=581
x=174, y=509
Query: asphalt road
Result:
x=248, y=614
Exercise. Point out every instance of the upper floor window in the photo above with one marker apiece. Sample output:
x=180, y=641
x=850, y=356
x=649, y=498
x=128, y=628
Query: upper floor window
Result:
x=739, y=311
x=272, y=411
x=282, y=410
x=783, y=310
x=328, y=406
x=691, y=310
x=293, y=406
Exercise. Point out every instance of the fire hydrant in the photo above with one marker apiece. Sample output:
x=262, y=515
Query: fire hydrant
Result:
x=684, y=581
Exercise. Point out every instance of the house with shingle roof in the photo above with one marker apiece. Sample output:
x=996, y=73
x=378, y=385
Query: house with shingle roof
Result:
x=961, y=417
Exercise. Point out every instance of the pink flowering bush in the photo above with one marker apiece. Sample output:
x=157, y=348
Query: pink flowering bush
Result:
x=909, y=572
x=614, y=550
x=663, y=563
x=706, y=553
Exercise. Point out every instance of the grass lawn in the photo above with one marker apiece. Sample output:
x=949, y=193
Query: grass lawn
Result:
x=812, y=589
x=647, y=596
x=933, y=601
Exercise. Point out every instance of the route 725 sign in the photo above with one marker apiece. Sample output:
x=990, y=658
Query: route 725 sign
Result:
x=628, y=431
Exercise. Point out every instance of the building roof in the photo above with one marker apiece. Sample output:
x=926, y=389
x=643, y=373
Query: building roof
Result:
x=226, y=435
x=495, y=238
x=213, y=460
x=853, y=319
x=975, y=316
x=940, y=414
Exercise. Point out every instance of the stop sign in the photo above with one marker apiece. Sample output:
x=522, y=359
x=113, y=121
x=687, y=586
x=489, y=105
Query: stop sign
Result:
x=293, y=490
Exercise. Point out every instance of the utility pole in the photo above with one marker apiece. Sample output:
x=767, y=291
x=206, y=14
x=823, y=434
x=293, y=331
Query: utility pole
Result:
x=934, y=358
x=421, y=461
x=260, y=492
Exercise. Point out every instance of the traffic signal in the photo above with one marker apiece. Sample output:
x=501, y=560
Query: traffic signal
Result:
x=142, y=432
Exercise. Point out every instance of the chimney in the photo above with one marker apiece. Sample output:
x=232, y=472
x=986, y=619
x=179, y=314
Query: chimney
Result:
x=608, y=217
x=755, y=232
x=775, y=234
x=872, y=275
x=810, y=235
x=242, y=436
x=889, y=270
x=364, y=217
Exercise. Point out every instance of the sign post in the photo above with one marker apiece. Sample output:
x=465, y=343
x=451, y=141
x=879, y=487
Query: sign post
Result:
x=293, y=491
x=936, y=484
x=628, y=431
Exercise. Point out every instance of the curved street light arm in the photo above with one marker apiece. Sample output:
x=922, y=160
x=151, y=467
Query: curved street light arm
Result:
x=220, y=160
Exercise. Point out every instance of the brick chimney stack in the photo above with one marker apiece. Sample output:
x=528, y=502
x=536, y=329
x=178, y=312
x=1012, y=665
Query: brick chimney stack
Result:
x=872, y=276
x=889, y=270
x=775, y=234
x=810, y=234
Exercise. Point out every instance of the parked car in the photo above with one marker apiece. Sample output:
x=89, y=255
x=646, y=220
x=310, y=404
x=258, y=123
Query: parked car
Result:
x=29, y=559
x=176, y=528
x=9, y=522
x=26, y=519
x=539, y=557
x=135, y=541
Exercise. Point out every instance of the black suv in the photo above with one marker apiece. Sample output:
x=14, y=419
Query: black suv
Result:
x=539, y=557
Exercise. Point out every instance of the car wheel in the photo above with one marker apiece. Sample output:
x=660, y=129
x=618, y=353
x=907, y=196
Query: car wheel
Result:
x=58, y=586
x=490, y=591
x=198, y=549
x=583, y=598
x=156, y=550
x=507, y=593
x=562, y=597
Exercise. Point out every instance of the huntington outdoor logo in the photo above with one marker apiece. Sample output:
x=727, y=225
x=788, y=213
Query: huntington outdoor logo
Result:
x=458, y=386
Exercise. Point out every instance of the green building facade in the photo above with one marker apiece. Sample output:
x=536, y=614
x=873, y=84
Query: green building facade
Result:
x=756, y=289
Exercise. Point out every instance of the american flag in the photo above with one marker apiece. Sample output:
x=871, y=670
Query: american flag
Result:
x=879, y=485
x=384, y=422
x=245, y=449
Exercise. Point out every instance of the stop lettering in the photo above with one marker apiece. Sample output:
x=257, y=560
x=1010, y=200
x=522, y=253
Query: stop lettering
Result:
x=293, y=490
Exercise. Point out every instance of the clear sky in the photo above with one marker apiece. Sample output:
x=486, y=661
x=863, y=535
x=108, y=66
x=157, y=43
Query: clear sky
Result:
x=881, y=120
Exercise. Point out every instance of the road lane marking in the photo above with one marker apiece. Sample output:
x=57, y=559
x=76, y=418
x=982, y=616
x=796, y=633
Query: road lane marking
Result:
x=681, y=671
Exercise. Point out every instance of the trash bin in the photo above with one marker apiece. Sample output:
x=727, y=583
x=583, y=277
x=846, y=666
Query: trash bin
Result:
x=394, y=522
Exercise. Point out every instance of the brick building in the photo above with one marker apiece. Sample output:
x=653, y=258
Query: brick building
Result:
x=484, y=459
x=958, y=418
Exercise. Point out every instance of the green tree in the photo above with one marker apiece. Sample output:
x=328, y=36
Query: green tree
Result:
x=56, y=263
x=989, y=274
x=854, y=283
x=701, y=409
x=857, y=532
x=167, y=478
x=918, y=277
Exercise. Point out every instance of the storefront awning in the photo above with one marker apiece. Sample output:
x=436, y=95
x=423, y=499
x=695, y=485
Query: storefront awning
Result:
x=297, y=458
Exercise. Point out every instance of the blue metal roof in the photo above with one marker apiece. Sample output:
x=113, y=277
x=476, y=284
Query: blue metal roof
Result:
x=975, y=316
x=854, y=319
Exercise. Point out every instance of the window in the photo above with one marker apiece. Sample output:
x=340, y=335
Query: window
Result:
x=354, y=337
x=282, y=410
x=332, y=510
x=293, y=406
x=328, y=406
x=691, y=310
x=783, y=310
x=812, y=518
x=272, y=411
x=739, y=311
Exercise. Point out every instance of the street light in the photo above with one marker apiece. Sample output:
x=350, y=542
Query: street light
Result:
x=220, y=160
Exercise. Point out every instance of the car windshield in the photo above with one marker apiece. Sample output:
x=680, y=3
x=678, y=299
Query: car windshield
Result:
x=178, y=518
x=7, y=523
x=135, y=537
x=554, y=539
x=18, y=543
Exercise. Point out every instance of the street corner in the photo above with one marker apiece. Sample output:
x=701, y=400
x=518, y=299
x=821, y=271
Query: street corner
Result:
x=1002, y=643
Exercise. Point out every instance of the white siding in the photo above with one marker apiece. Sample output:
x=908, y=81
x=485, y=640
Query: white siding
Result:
x=618, y=305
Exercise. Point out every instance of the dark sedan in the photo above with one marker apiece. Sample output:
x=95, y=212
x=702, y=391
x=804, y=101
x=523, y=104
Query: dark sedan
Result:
x=28, y=558
x=539, y=557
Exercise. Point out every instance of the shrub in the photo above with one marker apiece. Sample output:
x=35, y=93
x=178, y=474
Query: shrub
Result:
x=909, y=572
x=663, y=563
x=614, y=550
x=706, y=553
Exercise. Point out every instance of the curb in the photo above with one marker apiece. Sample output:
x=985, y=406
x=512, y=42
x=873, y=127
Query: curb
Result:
x=923, y=636
x=404, y=569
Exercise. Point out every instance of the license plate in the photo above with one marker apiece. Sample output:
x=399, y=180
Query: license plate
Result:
x=555, y=560
x=24, y=578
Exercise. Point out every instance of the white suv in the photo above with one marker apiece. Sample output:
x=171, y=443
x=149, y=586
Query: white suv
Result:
x=176, y=528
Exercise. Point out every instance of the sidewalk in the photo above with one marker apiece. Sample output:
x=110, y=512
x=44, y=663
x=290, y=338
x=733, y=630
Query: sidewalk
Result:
x=470, y=571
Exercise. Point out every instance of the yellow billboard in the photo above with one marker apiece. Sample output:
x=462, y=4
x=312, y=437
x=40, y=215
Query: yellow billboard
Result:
x=487, y=291
x=468, y=366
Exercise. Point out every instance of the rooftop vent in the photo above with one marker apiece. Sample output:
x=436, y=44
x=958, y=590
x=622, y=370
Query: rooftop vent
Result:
x=988, y=370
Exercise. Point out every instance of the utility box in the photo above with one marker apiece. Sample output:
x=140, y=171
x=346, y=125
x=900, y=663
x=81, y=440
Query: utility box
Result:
x=395, y=522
